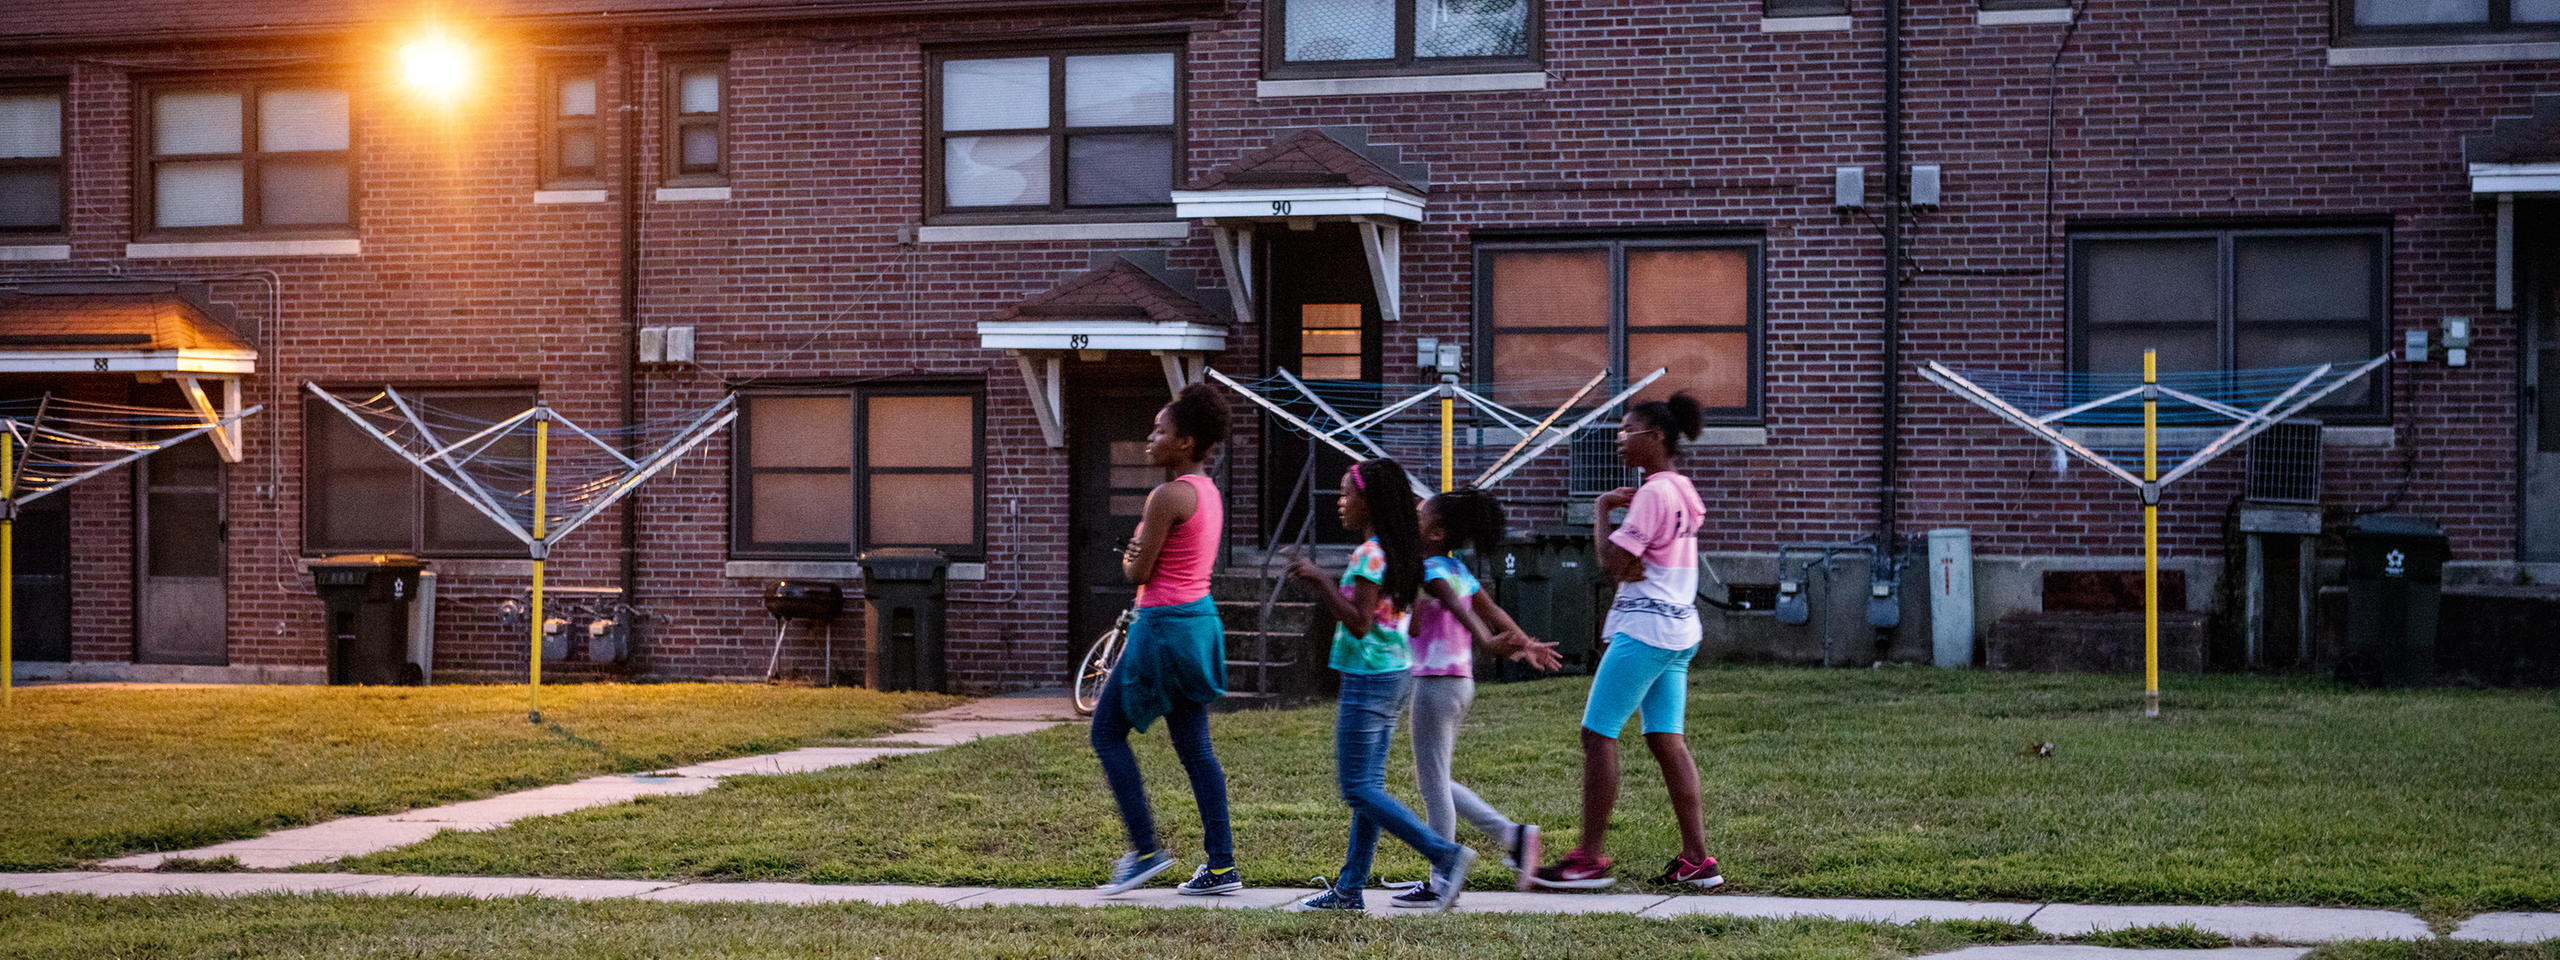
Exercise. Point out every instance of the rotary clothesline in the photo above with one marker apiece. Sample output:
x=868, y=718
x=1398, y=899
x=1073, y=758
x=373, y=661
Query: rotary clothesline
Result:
x=49, y=444
x=1339, y=413
x=474, y=460
x=2220, y=410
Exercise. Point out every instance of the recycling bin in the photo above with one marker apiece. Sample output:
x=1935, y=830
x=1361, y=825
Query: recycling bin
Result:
x=364, y=599
x=2394, y=573
x=902, y=604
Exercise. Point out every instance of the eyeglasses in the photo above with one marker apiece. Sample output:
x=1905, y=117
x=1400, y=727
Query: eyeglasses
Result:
x=1632, y=434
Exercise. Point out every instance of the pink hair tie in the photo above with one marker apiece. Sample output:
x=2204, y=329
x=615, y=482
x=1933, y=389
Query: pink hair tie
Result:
x=1357, y=480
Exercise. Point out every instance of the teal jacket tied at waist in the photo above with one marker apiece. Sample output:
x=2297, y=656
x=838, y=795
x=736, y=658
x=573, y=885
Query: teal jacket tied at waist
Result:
x=1177, y=654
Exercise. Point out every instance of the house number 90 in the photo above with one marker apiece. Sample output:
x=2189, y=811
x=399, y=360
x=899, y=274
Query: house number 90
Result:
x=1279, y=208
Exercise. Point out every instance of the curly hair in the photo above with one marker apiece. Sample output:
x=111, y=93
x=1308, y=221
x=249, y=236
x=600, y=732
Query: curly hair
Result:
x=1200, y=412
x=1679, y=418
x=1471, y=517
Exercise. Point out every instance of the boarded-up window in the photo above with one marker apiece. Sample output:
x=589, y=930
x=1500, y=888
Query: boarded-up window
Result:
x=1553, y=314
x=831, y=474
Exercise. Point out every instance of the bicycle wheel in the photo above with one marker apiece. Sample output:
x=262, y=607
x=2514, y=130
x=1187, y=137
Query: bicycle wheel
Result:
x=1095, y=669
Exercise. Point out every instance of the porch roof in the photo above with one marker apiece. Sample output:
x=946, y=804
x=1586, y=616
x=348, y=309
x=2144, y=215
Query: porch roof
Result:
x=1312, y=172
x=117, y=327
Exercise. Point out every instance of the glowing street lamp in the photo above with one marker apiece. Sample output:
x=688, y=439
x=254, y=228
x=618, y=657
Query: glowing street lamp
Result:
x=437, y=65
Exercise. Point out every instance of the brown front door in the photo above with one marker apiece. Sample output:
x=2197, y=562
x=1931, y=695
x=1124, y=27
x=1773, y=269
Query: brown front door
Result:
x=1108, y=417
x=181, y=607
x=1323, y=326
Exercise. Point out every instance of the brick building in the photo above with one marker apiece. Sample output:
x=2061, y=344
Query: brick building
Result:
x=947, y=253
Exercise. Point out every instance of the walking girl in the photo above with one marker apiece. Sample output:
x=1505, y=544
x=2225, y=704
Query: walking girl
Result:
x=1175, y=665
x=1370, y=651
x=1452, y=618
x=1652, y=632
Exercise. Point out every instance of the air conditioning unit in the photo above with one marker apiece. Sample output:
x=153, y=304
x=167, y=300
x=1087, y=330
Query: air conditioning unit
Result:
x=2284, y=463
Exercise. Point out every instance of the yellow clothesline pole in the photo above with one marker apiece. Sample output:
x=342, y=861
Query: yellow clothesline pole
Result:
x=1448, y=447
x=8, y=567
x=541, y=477
x=2150, y=533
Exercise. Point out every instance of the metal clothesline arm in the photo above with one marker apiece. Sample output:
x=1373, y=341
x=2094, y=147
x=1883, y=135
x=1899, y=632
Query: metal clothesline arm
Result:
x=1331, y=412
x=591, y=438
x=1503, y=416
x=137, y=452
x=2215, y=406
x=1530, y=435
x=2073, y=411
x=1560, y=436
x=1938, y=373
x=675, y=448
x=1384, y=412
x=503, y=521
x=1294, y=420
x=448, y=449
x=2274, y=412
x=487, y=498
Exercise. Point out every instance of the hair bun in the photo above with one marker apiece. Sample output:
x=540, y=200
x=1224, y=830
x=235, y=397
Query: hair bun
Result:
x=1687, y=414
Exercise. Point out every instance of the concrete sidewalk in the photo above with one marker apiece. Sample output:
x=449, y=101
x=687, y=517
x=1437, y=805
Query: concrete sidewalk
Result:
x=2276, y=924
x=355, y=836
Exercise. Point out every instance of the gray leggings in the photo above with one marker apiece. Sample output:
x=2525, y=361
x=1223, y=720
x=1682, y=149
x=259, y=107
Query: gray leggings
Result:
x=1439, y=704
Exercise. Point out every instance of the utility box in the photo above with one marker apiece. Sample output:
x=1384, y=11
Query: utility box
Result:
x=366, y=599
x=1549, y=583
x=902, y=605
x=2394, y=575
x=1951, y=598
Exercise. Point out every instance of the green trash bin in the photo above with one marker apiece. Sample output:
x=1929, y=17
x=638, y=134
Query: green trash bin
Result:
x=902, y=605
x=365, y=602
x=2394, y=575
x=1545, y=581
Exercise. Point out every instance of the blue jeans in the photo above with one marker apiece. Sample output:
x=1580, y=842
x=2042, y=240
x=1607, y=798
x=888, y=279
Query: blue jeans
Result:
x=1364, y=727
x=1189, y=726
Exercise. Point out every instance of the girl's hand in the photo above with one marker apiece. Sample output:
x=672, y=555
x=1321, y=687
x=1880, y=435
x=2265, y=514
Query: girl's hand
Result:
x=1302, y=568
x=1615, y=498
x=1529, y=650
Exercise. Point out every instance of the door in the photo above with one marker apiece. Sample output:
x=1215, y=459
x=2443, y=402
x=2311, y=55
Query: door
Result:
x=180, y=604
x=1107, y=484
x=2540, y=418
x=1323, y=325
x=43, y=575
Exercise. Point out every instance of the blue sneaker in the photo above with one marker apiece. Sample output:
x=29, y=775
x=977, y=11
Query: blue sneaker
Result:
x=1206, y=882
x=1333, y=898
x=1134, y=869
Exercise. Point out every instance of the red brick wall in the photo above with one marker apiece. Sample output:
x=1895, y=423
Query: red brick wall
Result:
x=1655, y=115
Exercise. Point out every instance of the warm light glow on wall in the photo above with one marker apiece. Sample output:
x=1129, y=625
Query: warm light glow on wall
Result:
x=437, y=65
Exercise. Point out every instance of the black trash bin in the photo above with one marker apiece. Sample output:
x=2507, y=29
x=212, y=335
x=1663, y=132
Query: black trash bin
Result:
x=1545, y=581
x=365, y=599
x=902, y=606
x=2395, y=569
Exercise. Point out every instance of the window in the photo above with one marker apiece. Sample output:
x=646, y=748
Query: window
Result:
x=1329, y=336
x=837, y=472
x=1065, y=135
x=569, y=132
x=1553, y=313
x=362, y=497
x=256, y=156
x=2235, y=299
x=1807, y=8
x=697, y=146
x=2447, y=21
x=1333, y=38
x=31, y=181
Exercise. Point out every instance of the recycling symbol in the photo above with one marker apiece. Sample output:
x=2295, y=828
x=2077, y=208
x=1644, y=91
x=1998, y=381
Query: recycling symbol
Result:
x=2395, y=563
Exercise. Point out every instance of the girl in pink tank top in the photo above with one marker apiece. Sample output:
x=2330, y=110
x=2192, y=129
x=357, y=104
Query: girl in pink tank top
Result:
x=1189, y=550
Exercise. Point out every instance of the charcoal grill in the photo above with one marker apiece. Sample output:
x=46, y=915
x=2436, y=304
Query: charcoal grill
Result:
x=816, y=601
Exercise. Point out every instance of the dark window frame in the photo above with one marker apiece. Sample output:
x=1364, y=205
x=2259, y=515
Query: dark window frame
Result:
x=742, y=453
x=1277, y=66
x=2026, y=4
x=1786, y=9
x=2377, y=409
x=673, y=121
x=1057, y=210
x=59, y=163
x=2499, y=27
x=146, y=186
x=551, y=124
x=1754, y=327
x=422, y=489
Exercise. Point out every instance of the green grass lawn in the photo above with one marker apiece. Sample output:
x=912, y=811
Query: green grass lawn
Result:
x=1882, y=783
x=97, y=772
x=177, y=928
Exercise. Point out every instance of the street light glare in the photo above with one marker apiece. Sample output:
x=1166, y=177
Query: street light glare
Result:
x=436, y=64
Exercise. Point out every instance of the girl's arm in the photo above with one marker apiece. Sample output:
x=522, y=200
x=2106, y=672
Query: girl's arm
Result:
x=1513, y=642
x=1440, y=590
x=1168, y=505
x=1615, y=562
x=1357, y=613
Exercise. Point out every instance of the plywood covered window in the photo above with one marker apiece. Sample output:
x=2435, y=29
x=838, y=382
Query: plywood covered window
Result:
x=1553, y=312
x=832, y=473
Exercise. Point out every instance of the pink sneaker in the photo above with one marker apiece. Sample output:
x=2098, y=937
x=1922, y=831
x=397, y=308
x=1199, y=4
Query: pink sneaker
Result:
x=1574, y=872
x=1701, y=874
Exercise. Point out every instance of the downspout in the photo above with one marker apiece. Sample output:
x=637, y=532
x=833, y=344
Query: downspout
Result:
x=1887, y=504
x=630, y=283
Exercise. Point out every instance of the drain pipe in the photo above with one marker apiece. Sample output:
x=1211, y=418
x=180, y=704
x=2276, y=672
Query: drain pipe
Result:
x=1887, y=503
x=629, y=107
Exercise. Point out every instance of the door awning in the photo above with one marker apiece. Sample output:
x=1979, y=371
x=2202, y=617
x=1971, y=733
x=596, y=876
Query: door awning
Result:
x=1306, y=176
x=2519, y=155
x=121, y=327
x=1127, y=301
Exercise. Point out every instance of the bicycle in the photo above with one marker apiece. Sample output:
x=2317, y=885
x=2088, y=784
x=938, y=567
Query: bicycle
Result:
x=1094, y=670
